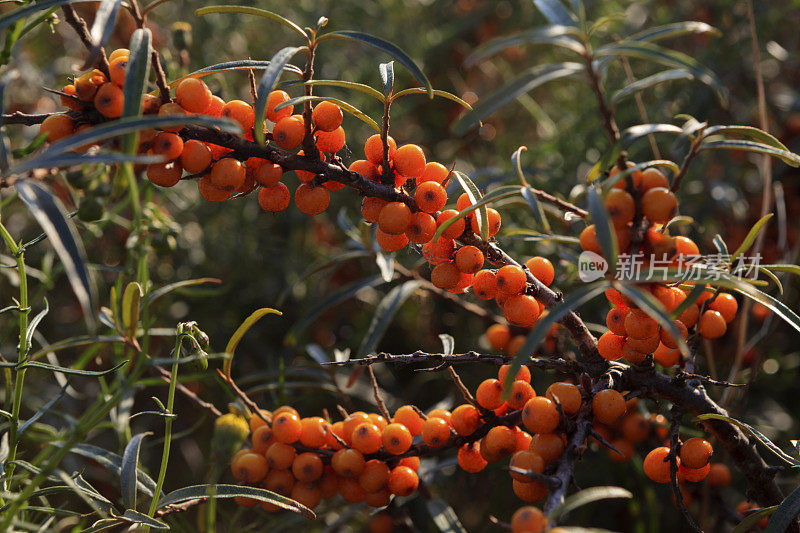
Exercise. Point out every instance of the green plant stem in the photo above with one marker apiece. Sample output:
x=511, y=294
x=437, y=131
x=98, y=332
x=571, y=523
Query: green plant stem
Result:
x=23, y=350
x=162, y=472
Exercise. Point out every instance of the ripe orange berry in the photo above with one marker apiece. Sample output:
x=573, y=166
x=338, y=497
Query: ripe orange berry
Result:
x=656, y=465
x=620, y=206
x=726, y=305
x=530, y=492
x=374, y=476
x=311, y=200
x=430, y=196
x=421, y=228
x=327, y=116
x=696, y=452
x=307, y=494
x=371, y=208
x=484, y=285
x=366, y=438
x=348, y=462
x=469, y=259
x=56, y=127
x=526, y=460
x=394, y=218
x=644, y=346
x=87, y=84
x=408, y=416
x=608, y=405
x=500, y=441
x=719, y=475
x=568, y=396
x=286, y=427
x=498, y=336
x=511, y=279
x=109, y=100
x=666, y=357
x=409, y=160
x=268, y=174
x=307, y=467
x=684, y=246
x=117, y=69
x=470, y=458
x=403, y=481
x=712, y=324
x=667, y=338
x=70, y=103
x=435, y=432
x=164, y=174
x=523, y=439
x=315, y=432
x=465, y=419
x=464, y=283
x=331, y=141
x=588, y=240
x=288, y=132
x=366, y=169
x=542, y=269
x=494, y=219
x=194, y=96
x=195, y=157
x=396, y=438
x=610, y=345
x=549, y=446
x=636, y=175
x=488, y=394
x=241, y=112
x=209, y=192
x=624, y=451
x=119, y=52
x=445, y=275
x=373, y=149
x=274, y=199
x=528, y=519
x=521, y=392
x=540, y=415
x=168, y=145
x=433, y=172
x=262, y=439
x=658, y=204
x=635, y=427
x=455, y=229
x=615, y=319
x=652, y=178
x=274, y=99
x=352, y=491
x=444, y=414
x=228, y=174
x=249, y=467
x=390, y=243
x=639, y=325
x=438, y=251
x=257, y=421
x=695, y=475
x=521, y=310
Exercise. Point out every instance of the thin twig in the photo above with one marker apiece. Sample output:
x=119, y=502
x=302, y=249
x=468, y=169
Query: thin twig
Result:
x=80, y=27
x=377, y=393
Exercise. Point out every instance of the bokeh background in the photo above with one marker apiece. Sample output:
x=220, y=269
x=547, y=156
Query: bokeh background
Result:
x=283, y=260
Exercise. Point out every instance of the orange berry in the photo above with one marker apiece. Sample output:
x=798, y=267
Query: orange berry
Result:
x=164, y=174
x=521, y=310
x=494, y=219
x=666, y=357
x=331, y=141
x=498, y=336
x=87, y=84
x=119, y=52
x=652, y=178
x=469, y=259
x=529, y=492
x=445, y=275
x=194, y=96
x=656, y=465
x=668, y=340
x=455, y=229
x=643, y=346
x=371, y=208
x=635, y=427
x=488, y=394
x=352, y=491
x=511, y=279
x=616, y=297
x=280, y=456
x=196, y=156
x=421, y=228
x=168, y=145
x=262, y=439
x=366, y=438
x=435, y=432
x=500, y=441
x=288, y=132
x=636, y=175
x=430, y=196
x=117, y=69
x=411, y=462
x=620, y=206
x=608, y=405
x=257, y=421
x=712, y=324
x=684, y=246
x=348, y=462
x=373, y=149
x=274, y=99
x=70, y=103
x=274, y=199
x=209, y=192
x=311, y=200
x=394, y=218
x=588, y=240
x=56, y=127
x=623, y=453
x=444, y=414
x=542, y=269
x=528, y=520
x=523, y=439
x=374, y=476
x=568, y=396
x=315, y=432
x=409, y=160
x=470, y=458
x=726, y=305
x=526, y=460
x=307, y=467
x=268, y=174
x=695, y=475
x=307, y=494
x=465, y=419
x=540, y=415
x=327, y=116
x=228, y=174
x=639, y=325
x=484, y=285
x=438, y=251
x=719, y=475
x=521, y=392
x=366, y=169
x=610, y=345
x=696, y=452
x=396, y=438
x=390, y=243
x=109, y=100
x=286, y=427
x=250, y=467
x=549, y=446
x=241, y=112
x=658, y=204
x=615, y=319
x=403, y=481
x=433, y=172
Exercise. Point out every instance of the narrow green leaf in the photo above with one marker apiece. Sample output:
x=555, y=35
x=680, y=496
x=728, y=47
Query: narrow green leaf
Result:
x=70, y=371
x=384, y=314
x=536, y=207
x=24, y=12
x=675, y=29
x=48, y=211
x=136, y=74
x=267, y=84
x=74, y=342
x=790, y=158
x=385, y=46
x=586, y=496
x=41, y=412
x=34, y=323
x=166, y=289
x=227, y=66
x=694, y=295
x=627, y=138
x=537, y=236
x=436, y=92
x=773, y=277
x=574, y=300
x=129, y=469
x=230, y=348
x=360, y=87
x=555, y=12
x=341, y=103
x=753, y=432
x=563, y=36
x=606, y=236
x=516, y=162
x=650, y=305
x=113, y=463
x=650, y=82
x=746, y=131
x=474, y=195
x=791, y=269
x=203, y=492
x=131, y=300
x=497, y=194
x=785, y=514
x=387, y=76
x=522, y=84
x=135, y=517
x=751, y=237
x=749, y=522
x=105, y=19
x=246, y=10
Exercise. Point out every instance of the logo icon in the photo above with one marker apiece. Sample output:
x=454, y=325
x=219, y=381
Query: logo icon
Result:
x=591, y=266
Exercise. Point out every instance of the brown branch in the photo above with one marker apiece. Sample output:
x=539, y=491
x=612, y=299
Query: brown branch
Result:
x=377, y=393
x=161, y=77
x=80, y=27
x=309, y=146
x=460, y=386
x=558, y=202
x=25, y=119
x=166, y=375
x=672, y=457
x=608, y=115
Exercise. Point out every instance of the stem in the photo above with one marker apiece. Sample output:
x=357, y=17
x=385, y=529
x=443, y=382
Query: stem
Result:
x=386, y=176
x=309, y=146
